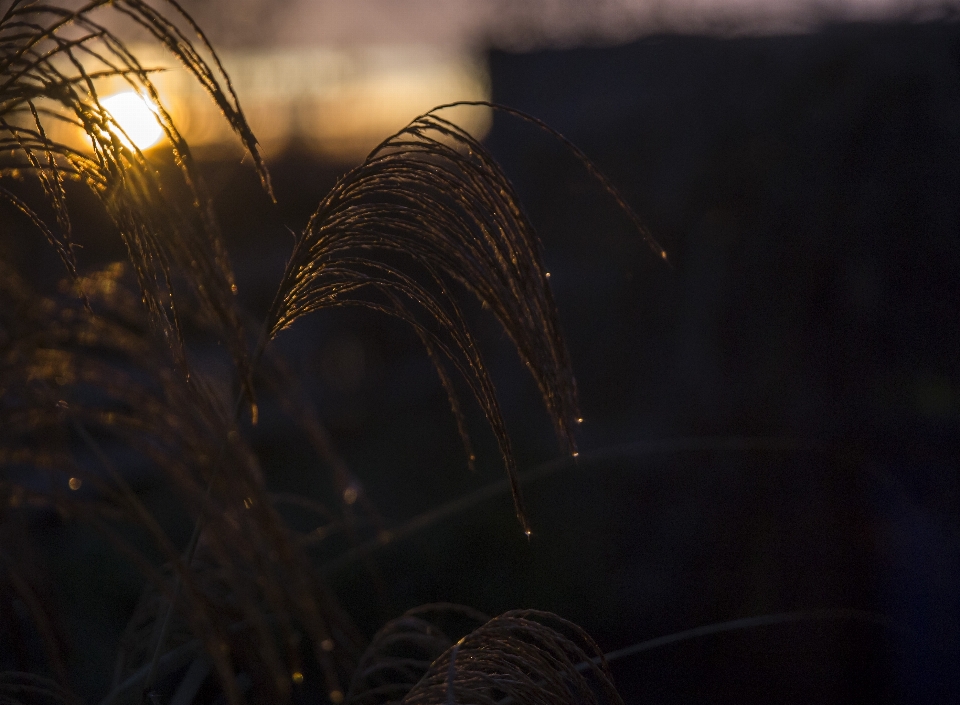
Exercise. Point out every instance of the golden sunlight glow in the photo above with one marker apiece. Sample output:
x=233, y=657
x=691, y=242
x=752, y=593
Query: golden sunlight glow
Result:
x=337, y=102
x=136, y=119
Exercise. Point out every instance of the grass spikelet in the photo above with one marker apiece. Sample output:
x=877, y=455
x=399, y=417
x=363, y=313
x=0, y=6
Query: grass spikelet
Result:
x=427, y=217
x=90, y=402
x=523, y=656
x=402, y=652
x=52, y=61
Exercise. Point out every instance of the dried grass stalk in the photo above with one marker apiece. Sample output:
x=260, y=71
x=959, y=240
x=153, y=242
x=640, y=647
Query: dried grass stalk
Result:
x=401, y=653
x=525, y=657
x=52, y=60
x=427, y=217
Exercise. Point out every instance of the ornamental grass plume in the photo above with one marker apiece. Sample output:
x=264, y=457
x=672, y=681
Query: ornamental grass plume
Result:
x=97, y=381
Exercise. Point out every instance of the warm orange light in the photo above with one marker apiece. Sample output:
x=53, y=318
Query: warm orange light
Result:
x=337, y=101
x=137, y=120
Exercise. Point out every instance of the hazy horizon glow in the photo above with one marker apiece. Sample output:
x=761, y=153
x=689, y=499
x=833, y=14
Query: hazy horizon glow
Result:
x=339, y=103
x=337, y=76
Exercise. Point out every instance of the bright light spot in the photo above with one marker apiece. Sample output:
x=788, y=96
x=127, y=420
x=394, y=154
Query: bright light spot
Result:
x=74, y=483
x=548, y=275
x=134, y=116
x=576, y=455
x=297, y=677
x=338, y=102
x=580, y=420
x=248, y=503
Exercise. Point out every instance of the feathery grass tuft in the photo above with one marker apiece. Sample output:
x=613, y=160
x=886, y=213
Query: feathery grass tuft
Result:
x=403, y=651
x=53, y=60
x=100, y=375
x=523, y=656
x=427, y=217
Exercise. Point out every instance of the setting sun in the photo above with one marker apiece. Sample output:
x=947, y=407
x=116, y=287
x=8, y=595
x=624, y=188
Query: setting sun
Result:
x=135, y=118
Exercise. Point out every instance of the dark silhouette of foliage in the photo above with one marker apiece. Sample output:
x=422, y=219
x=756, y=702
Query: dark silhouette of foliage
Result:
x=101, y=372
x=51, y=59
x=519, y=658
x=401, y=653
x=516, y=657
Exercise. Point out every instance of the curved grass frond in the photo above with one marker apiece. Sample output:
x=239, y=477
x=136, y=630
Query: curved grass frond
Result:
x=401, y=653
x=581, y=157
x=426, y=217
x=53, y=59
x=523, y=656
x=89, y=403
